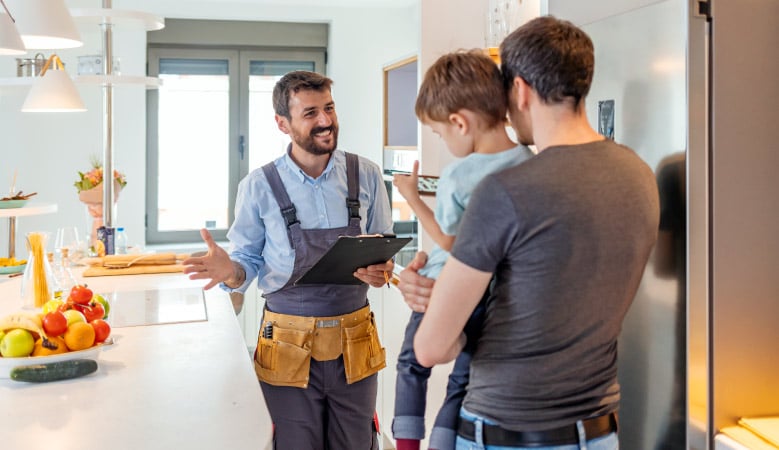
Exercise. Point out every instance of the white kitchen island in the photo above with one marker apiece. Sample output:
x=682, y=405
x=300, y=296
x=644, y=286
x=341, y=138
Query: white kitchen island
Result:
x=188, y=385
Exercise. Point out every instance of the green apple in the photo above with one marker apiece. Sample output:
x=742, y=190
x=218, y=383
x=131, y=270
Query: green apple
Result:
x=17, y=343
x=74, y=316
x=102, y=300
x=51, y=305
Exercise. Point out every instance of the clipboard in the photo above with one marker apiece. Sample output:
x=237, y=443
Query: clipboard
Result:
x=348, y=254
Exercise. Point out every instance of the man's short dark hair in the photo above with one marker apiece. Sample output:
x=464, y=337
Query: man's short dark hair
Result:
x=553, y=56
x=294, y=82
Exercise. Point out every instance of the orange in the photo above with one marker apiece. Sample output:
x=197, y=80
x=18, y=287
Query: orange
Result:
x=40, y=350
x=79, y=336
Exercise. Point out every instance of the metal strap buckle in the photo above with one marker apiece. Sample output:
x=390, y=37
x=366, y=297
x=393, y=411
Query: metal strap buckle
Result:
x=354, y=208
x=328, y=323
x=290, y=215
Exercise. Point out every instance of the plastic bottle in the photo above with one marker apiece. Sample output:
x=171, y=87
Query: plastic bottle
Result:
x=120, y=241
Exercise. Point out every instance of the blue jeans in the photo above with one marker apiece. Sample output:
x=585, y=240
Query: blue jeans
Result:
x=607, y=442
x=411, y=387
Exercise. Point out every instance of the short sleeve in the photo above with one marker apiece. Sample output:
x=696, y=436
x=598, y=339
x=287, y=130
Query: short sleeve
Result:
x=488, y=229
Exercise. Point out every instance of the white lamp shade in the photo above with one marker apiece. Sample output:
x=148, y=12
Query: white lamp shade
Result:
x=10, y=41
x=53, y=92
x=45, y=24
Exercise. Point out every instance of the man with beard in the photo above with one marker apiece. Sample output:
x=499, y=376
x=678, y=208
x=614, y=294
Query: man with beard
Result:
x=320, y=390
x=567, y=235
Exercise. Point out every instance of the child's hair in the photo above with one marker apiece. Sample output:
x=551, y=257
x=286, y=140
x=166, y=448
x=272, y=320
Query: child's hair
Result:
x=462, y=80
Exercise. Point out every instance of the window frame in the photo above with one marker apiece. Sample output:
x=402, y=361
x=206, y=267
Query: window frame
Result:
x=239, y=58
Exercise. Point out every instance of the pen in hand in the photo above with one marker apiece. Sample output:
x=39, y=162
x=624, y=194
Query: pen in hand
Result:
x=387, y=279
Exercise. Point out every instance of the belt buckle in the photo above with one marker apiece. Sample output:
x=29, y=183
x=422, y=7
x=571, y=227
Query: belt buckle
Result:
x=332, y=323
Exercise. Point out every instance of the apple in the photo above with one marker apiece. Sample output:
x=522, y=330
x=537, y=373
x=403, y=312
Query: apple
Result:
x=74, y=316
x=102, y=329
x=55, y=323
x=102, y=300
x=93, y=311
x=17, y=343
x=80, y=294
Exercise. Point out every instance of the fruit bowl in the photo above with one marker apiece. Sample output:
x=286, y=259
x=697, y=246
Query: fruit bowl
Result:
x=6, y=364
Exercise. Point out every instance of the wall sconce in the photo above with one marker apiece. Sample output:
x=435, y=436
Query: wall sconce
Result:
x=53, y=90
x=45, y=24
x=10, y=41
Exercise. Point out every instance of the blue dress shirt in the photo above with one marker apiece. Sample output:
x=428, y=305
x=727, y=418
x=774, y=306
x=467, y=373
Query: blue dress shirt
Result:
x=258, y=236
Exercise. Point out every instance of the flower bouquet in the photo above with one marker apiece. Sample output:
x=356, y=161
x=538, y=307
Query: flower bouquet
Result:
x=90, y=192
x=90, y=184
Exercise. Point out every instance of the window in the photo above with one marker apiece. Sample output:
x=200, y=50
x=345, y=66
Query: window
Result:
x=208, y=125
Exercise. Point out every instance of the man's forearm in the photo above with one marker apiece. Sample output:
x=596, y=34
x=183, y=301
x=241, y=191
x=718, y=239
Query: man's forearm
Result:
x=237, y=278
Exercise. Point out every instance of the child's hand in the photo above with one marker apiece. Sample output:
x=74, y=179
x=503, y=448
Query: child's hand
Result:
x=408, y=184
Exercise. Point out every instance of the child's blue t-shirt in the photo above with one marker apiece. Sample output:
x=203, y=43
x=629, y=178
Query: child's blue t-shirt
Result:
x=457, y=182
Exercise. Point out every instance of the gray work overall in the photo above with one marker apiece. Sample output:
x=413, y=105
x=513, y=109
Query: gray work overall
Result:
x=328, y=414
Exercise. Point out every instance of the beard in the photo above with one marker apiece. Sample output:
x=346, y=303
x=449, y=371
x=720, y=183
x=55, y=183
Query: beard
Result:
x=309, y=142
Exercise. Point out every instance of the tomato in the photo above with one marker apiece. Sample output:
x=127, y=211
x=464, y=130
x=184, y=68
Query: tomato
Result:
x=92, y=311
x=55, y=323
x=102, y=329
x=80, y=294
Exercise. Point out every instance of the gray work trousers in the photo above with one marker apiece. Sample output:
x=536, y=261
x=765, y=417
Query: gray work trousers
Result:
x=327, y=415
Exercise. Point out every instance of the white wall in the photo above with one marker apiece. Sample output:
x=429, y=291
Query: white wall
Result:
x=49, y=149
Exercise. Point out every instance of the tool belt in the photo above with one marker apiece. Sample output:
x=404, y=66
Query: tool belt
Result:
x=287, y=343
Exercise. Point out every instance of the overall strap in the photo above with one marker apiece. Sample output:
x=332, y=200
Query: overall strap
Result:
x=288, y=210
x=353, y=185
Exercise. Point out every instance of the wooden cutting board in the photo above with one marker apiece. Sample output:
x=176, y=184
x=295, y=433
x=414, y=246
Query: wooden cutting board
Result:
x=99, y=271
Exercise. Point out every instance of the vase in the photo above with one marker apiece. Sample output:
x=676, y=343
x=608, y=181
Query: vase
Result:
x=93, y=198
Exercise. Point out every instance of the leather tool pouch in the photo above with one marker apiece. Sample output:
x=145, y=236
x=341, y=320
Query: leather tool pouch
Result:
x=327, y=343
x=285, y=358
x=363, y=353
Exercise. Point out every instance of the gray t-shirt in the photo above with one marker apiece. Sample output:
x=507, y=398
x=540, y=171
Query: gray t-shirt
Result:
x=567, y=234
x=457, y=182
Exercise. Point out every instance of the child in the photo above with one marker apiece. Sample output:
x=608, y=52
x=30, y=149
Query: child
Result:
x=463, y=100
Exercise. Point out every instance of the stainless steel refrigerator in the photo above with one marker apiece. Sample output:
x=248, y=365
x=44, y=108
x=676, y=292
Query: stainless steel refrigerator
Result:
x=693, y=87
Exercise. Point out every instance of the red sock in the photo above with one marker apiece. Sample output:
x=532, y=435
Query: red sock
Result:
x=407, y=444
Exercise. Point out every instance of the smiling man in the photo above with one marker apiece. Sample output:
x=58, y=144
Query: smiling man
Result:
x=320, y=390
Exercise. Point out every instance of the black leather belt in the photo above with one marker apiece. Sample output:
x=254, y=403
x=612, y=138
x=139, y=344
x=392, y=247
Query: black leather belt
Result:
x=495, y=435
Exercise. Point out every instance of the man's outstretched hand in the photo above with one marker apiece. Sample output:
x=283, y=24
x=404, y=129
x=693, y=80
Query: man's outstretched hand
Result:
x=215, y=265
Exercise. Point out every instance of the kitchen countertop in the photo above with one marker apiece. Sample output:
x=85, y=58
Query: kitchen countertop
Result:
x=170, y=386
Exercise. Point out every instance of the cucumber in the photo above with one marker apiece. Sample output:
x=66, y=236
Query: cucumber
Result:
x=62, y=370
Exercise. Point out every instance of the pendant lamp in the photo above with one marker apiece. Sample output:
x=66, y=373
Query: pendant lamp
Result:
x=53, y=90
x=10, y=41
x=45, y=24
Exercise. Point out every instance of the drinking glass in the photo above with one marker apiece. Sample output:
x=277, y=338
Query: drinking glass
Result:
x=68, y=246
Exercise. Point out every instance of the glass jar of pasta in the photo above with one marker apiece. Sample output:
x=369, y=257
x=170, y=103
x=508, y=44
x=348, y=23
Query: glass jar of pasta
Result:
x=38, y=280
